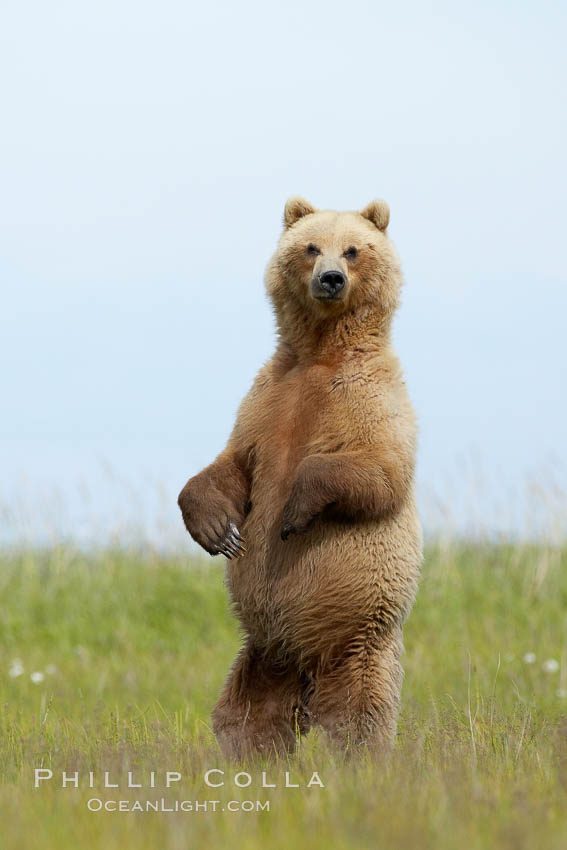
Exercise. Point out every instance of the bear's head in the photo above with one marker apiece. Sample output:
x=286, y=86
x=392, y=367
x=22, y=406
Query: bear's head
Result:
x=330, y=264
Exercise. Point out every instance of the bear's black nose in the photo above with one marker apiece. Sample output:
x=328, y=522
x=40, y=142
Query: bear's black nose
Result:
x=332, y=281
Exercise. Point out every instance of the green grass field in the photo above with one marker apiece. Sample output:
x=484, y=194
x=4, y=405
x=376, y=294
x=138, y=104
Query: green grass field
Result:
x=131, y=652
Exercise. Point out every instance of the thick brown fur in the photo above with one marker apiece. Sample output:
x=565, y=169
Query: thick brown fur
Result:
x=318, y=478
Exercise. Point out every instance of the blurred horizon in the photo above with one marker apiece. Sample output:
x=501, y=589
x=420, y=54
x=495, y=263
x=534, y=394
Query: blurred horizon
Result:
x=147, y=153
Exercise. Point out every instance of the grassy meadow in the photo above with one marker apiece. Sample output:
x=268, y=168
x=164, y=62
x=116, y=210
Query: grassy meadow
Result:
x=112, y=662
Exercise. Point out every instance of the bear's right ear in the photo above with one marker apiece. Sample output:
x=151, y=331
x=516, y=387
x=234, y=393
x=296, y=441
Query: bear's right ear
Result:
x=295, y=209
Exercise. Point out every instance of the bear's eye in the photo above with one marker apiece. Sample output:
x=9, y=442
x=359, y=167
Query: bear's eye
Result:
x=351, y=253
x=312, y=250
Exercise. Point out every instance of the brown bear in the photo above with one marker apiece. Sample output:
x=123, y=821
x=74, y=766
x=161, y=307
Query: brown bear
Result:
x=312, y=501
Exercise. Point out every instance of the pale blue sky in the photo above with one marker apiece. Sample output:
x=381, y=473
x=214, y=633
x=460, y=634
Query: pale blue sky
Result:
x=147, y=150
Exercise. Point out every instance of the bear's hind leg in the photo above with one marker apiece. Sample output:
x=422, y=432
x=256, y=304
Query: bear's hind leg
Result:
x=260, y=709
x=356, y=698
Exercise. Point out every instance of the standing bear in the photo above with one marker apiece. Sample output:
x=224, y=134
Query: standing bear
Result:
x=312, y=501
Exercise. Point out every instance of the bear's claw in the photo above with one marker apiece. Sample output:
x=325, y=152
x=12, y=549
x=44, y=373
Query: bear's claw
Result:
x=232, y=545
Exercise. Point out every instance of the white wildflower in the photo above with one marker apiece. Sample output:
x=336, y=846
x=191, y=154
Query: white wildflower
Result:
x=16, y=668
x=37, y=677
x=530, y=658
x=51, y=669
x=550, y=666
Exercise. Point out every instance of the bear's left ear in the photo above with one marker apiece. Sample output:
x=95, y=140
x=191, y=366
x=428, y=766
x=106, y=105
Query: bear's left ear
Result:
x=377, y=212
x=295, y=209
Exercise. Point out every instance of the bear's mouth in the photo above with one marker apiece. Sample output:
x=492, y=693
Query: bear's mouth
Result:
x=331, y=298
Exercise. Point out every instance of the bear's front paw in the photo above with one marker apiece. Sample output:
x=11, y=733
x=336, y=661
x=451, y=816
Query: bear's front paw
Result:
x=220, y=539
x=230, y=544
x=210, y=524
x=294, y=521
x=287, y=529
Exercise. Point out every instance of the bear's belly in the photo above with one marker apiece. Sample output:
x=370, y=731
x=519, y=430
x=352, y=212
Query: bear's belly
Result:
x=313, y=593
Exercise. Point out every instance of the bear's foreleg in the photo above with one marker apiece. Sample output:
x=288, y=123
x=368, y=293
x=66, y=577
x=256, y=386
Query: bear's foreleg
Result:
x=356, y=700
x=214, y=504
x=260, y=710
x=361, y=484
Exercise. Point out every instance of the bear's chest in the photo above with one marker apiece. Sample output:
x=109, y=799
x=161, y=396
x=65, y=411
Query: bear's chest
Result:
x=297, y=416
